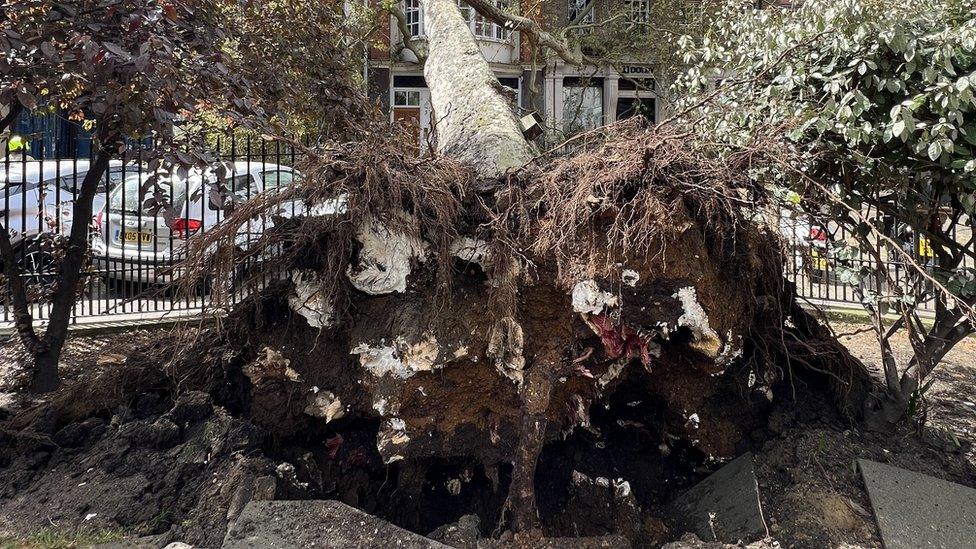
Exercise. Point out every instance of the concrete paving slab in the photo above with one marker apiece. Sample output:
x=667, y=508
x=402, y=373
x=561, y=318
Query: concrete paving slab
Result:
x=723, y=507
x=317, y=523
x=916, y=511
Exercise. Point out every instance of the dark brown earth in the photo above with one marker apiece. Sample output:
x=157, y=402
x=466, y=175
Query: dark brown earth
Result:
x=135, y=462
x=813, y=495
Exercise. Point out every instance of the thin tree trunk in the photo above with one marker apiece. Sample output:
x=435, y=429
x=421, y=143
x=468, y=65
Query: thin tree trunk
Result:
x=475, y=122
x=938, y=343
x=46, y=376
x=535, y=405
x=23, y=321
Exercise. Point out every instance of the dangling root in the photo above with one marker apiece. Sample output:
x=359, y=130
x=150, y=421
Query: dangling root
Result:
x=521, y=501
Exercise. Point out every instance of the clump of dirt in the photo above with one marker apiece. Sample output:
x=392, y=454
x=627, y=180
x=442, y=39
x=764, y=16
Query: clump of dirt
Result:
x=142, y=468
x=122, y=448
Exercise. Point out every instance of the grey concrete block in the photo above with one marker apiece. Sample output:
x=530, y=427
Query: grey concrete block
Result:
x=317, y=523
x=916, y=511
x=723, y=507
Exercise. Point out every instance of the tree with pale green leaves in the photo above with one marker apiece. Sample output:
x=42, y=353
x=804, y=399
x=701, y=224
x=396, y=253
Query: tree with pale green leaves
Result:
x=862, y=115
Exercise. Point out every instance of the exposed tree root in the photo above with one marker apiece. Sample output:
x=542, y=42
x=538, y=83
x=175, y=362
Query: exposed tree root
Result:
x=432, y=305
x=535, y=408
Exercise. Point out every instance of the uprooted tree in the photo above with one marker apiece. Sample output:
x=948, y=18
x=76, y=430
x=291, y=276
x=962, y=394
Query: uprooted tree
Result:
x=136, y=68
x=592, y=36
x=479, y=303
x=871, y=112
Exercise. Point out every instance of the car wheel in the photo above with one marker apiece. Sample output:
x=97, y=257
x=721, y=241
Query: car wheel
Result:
x=38, y=263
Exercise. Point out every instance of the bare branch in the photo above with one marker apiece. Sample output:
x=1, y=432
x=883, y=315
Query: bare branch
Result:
x=570, y=53
x=418, y=47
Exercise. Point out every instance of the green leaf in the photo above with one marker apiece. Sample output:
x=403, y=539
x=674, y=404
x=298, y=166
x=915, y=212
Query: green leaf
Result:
x=935, y=150
x=898, y=128
x=909, y=120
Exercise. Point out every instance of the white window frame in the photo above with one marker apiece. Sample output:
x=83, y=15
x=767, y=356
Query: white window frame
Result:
x=578, y=114
x=415, y=18
x=639, y=11
x=574, y=8
x=407, y=94
x=480, y=26
x=422, y=104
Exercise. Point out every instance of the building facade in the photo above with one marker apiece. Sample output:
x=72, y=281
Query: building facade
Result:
x=569, y=98
x=48, y=135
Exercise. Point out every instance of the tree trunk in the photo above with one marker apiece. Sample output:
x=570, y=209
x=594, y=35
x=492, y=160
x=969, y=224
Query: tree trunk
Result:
x=46, y=378
x=474, y=120
x=46, y=361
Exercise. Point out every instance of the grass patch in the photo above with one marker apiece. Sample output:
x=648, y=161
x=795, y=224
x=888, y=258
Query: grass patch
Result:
x=54, y=539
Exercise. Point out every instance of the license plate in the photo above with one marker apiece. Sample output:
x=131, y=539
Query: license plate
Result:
x=925, y=247
x=134, y=236
x=819, y=261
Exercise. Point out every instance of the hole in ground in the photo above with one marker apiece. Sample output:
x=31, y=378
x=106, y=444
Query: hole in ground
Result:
x=625, y=440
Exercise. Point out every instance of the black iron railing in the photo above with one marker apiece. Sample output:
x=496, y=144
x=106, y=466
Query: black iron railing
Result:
x=139, y=229
x=136, y=248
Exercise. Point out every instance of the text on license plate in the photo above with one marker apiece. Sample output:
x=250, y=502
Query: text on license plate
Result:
x=134, y=236
x=819, y=261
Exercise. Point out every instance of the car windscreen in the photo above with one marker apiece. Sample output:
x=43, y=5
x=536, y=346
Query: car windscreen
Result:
x=134, y=194
x=276, y=179
x=72, y=182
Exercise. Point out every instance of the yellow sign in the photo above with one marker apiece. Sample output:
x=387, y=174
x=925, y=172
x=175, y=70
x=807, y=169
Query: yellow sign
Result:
x=925, y=247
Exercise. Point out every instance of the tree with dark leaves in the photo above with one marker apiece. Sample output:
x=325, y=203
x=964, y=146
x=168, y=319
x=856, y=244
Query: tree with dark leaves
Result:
x=132, y=69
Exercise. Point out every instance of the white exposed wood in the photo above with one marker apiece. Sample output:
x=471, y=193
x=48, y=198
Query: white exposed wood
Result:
x=475, y=123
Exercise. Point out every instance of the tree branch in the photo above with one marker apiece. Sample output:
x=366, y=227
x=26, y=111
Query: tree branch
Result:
x=11, y=116
x=23, y=320
x=566, y=51
x=945, y=333
x=417, y=47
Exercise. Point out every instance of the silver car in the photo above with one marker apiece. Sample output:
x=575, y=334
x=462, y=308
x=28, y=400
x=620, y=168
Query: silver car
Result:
x=134, y=241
